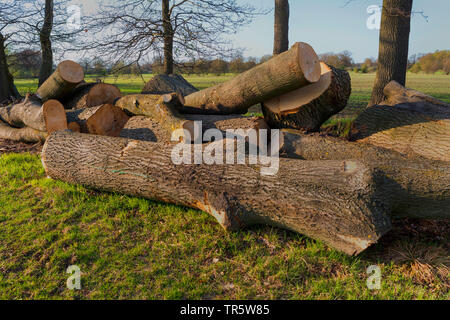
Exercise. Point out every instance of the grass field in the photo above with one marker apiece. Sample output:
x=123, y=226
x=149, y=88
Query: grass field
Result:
x=131, y=248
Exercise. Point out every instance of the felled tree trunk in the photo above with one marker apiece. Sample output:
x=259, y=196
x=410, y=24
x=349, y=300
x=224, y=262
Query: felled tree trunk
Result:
x=309, y=107
x=147, y=129
x=88, y=95
x=108, y=120
x=417, y=188
x=286, y=72
x=54, y=116
x=408, y=122
x=333, y=201
x=66, y=77
x=162, y=109
x=80, y=116
x=163, y=84
x=31, y=113
x=26, y=134
x=28, y=113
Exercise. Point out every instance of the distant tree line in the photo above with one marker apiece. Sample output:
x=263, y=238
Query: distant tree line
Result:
x=437, y=62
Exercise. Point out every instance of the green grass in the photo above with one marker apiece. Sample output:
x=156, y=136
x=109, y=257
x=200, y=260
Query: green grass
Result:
x=131, y=248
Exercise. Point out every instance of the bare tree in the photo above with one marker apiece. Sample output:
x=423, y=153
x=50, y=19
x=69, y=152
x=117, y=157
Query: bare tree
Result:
x=281, y=41
x=10, y=15
x=394, y=43
x=189, y=30
x=46, y=43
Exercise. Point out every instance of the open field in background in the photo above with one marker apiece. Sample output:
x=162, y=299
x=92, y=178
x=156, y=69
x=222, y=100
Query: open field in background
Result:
x=434, y=85
x=132, y=248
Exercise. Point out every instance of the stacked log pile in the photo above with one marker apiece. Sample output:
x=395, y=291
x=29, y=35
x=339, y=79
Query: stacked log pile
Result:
x=395, y=163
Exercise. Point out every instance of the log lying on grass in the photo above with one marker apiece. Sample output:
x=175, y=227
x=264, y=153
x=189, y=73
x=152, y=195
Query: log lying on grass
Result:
x=286, y=72
x=309, y=107
x=163, y=84
x=27, y=113
x=333, y=201
x=162, y=109
x=66, y=77
x=31, y=113
x=88, y=95
x=417, y=188
x=408, y=122
x=26, y=134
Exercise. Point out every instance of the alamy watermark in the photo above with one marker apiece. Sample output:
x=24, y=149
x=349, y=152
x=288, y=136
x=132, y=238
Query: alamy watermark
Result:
x=374, y=20
x=374, y=280
x=229, y=149
x=74, y=281
x=74, y=17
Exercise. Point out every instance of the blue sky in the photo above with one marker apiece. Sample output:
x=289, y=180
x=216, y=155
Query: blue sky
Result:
x=329, y=26
x=332, y=26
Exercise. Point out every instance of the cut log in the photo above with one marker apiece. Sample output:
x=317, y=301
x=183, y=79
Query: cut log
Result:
x=88, y=95
x=309, y=107
x=417, y=188
x=284, y=73
x=408, y=122
x=74, y=126
x=163, y=84
x=27, y=113
x=147, y=129
x=333, y=201
x=108, y=120
x=160, y=108
x=31, y=113
x=26, y=134
x=66, y=77
x=80, y=116
x=54, y=116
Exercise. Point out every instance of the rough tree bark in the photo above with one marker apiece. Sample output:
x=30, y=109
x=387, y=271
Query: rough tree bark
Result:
x=147, y=129
x=394, y=43
x=7, y=88
x=408, y=122
x=27, y=113
x=416, y=188
x=46, y=117
x=26, y=134
x=309, y=107
x=333, y=201
x=286, y=72
x=162, y=84
x=162, y=109
x=168, y=34
x=46, y=44
x=87, y=95
x=281, y=38
x=61, y=83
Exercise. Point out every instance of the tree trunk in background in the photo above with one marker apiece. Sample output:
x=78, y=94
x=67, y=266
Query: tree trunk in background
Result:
x=281, y=42
x=46, y=44
x=7, y=87
x=168, y=38
x=394, y=43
